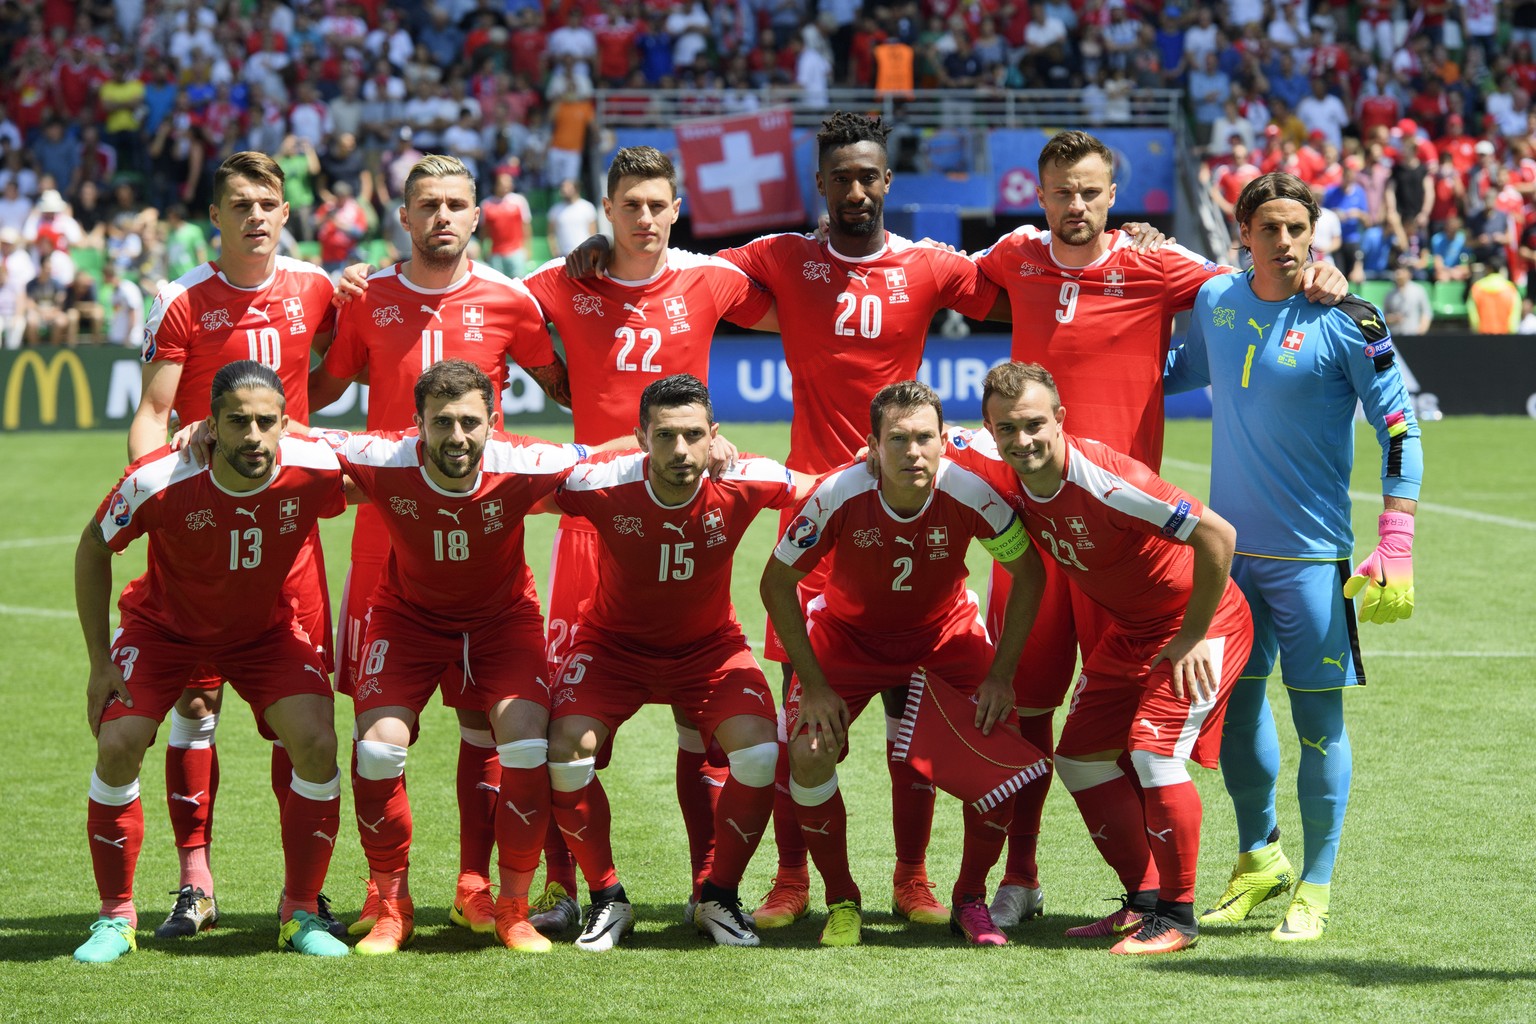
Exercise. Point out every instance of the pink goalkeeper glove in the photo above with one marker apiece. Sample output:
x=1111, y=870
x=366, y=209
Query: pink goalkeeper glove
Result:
x=1387, y=575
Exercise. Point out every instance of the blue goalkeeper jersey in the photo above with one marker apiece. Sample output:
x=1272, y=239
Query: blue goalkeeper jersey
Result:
x=1285, y=378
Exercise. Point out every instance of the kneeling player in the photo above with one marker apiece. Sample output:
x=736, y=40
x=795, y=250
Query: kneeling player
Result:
x=666, y=531
x=1157, y=681
x=895, y=601
x=456, y=595
x=222, y=539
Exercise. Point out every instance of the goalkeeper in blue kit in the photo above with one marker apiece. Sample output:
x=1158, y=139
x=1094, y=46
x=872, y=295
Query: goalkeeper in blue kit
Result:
x=1286, y=375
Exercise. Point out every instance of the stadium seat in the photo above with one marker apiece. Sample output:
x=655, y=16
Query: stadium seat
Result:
x=309, y=251
x=1374, y=292
x=1376, y=248
x=1449, y=299
x=89, y=260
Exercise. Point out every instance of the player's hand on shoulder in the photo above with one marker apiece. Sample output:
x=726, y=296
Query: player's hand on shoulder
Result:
x=589, y=259
x=1145, y=237
x=105, y=682
x=823, y=227
x=934, y=243
x=1189, y=660
x=195, y=442
x=994, y=702
x=722, y=456
x=352, y=285
x=1325, y=283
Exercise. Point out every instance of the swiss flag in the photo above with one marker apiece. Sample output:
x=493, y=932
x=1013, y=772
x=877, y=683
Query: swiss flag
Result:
x=740, y=173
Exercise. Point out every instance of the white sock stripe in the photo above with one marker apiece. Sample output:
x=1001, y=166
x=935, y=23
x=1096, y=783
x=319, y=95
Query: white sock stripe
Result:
x=813, y=796
x=317, y=791
x=482, y=738
x=572, y=776
x=191, y=733
x=754, y=766
x=377, y=761
x=113, y=796
x=523, y=753
x=1080, y=775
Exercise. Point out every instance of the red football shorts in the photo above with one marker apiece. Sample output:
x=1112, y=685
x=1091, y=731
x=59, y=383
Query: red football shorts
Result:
x=712, y=681
x=370, y=550
x=405, y=660
x=1121, y=704
x=572, y=582
x=1067, y=619
x=859, y=667
x=263, y=669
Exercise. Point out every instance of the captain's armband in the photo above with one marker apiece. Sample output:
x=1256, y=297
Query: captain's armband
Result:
x=1009, y=544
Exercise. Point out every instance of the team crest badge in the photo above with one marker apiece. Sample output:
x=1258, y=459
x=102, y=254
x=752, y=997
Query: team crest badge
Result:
x=215, y=319
x=386, y=315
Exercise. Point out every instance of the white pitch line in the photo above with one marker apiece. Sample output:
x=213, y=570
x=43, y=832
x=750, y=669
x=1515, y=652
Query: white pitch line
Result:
x=37, y=613
x=1428, y=506
x=36, y=542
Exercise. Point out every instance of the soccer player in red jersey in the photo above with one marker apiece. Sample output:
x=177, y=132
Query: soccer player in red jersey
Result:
x=249, y=304
x=1096, y=312
x=505, y=220
x=437, y=305
x=1157, y=681
x=894, y=601
x=233, y=527
x=654, y=314
x=666, y=530
x=455, y=609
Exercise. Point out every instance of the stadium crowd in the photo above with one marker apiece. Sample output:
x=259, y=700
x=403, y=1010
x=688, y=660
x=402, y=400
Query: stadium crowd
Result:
x=1410, y=120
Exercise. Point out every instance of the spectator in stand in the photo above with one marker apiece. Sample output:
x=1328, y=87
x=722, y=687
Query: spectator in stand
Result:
x=1507, y=105
x=1406, y=307
x=1324, y=112
x=1229, y=126
x=13, y=305
x=505, y=222
x=571, y=221
x=1209, y=88
x=176, y=157
x=571, y=116
x=1493, y=301
x=1348, y=200
x=1410, y=197
x=616, y=37
x=91, y=211
x=52, y=217
x=1449, y=194
x=443, y=40
x=184, y=246
x=1449, y=258
x=463, y=140
x=14, y=169
x=47, y=321
x=344, y=161
x=1377, y=34
x=1282, y=117
x=86, y=320
x=301, y=169
x=1527, y=251
x=576, y=41
x=1327, y=237
x=340, y=225
x=14, y=207
x=122, y=99
x=57, y=154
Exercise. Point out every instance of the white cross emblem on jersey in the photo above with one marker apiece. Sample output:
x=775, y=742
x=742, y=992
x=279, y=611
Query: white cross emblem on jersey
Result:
x=675, y=307
x=474, y=316
x=1114, y=278
x=490, y=509
x=293, y=308
x=742, y=172
x=938, y=536
x=288, y=508
x=714, y=519
x=896, y=278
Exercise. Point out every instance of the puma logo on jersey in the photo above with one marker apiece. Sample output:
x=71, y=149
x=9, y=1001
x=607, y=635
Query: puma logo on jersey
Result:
x=329, y=840
x=524, y=815
x=374, y=827
x=251, y=513
x=574, y=835
x=1112, y=490
x=1162, y=836
x=639, y=310
x=1372, y=322
x=262, y=312
x=754, y=693
x=316, y=671
x=861, y=276
x=1156, y=730
x=746, y=837
x=1338, y=662
x=451, y=515
x=436, y=314
x=674, y=527
x=195, y=799
x=1255, y=325
x=903, y=540
x=1317, y=745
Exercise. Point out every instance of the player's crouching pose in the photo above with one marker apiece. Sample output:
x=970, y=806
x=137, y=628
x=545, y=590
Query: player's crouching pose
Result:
x=895, y=601
x=231, y=528
x=456, y=596
x=1157, y=681
x=660, y=630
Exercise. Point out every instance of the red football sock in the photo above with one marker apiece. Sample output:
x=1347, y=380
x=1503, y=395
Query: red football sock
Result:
x=1021, y=867
x=825, y=828
x=698, y=795
x=479, y=778
x=191, y=775
x=115, y=835
x=586, y=820
x=984, y=838
x=1116, y=826
x=786, y=822
x=912, y=798
x=1173, y=834
x=740, y=821
x=310, y=828
x=195, y=869
x=282, y=775
x=383, y=822
x=559, y=865
x=522, y=821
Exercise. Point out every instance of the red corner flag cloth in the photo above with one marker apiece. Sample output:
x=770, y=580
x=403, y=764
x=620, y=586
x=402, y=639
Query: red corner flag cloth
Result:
x=939, y=738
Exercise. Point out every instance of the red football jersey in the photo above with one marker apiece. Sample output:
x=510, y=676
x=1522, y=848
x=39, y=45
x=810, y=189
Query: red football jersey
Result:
x=1114, y=529
x=1102, y=330
x=217, y=559
x=455, y=558
x=893, y=578
x=853, y=325
x=622, y=335
x=656, y=557
x=202, y=321
x=398, y=329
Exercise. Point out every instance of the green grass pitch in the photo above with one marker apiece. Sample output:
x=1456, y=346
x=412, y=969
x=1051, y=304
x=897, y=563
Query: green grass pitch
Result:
x=1431, y=908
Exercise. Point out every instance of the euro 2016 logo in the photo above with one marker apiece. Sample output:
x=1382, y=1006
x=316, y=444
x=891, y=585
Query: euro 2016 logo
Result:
x=803, y=533
x=118, y=509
